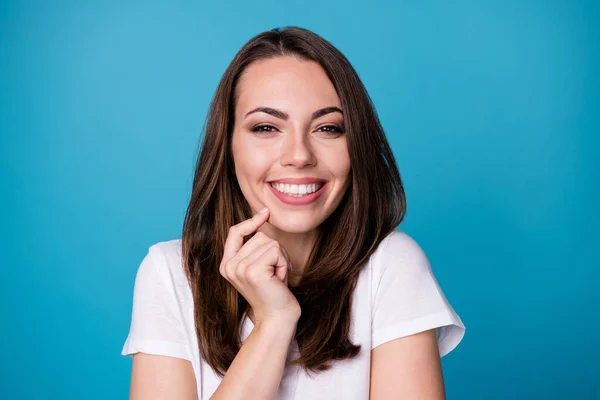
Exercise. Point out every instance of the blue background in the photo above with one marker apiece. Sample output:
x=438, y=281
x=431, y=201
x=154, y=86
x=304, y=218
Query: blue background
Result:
x=491, y=109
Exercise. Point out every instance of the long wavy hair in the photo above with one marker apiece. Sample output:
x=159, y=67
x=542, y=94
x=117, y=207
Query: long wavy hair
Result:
x=373, y=205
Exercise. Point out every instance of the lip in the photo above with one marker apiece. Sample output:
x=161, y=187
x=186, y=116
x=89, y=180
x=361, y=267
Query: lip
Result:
x=298, y=201
x=299, y=181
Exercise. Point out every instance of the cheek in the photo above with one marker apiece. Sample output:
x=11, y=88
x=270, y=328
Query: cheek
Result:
x=338, y=162
x=251, y=162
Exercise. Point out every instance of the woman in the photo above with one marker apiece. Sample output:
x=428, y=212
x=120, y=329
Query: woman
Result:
x=289, y=281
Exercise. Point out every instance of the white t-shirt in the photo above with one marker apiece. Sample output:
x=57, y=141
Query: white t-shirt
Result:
x=396, y=295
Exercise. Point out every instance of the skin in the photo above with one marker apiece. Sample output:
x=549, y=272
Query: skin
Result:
x=294, y=148
x=407, y=368
x=404, y=368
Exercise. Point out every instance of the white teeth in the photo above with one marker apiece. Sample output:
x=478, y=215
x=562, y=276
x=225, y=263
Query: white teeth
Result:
x=297, y=190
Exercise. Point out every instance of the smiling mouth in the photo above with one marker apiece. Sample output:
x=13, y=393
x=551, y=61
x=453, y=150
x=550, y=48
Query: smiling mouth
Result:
x=297, y=190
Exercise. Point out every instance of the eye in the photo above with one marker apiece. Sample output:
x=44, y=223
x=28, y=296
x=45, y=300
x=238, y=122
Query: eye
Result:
x=263, y=129
x=266, y=129
x=332, y=129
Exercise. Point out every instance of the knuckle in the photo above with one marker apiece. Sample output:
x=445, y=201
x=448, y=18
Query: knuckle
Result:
x=275, y=245
x=223, y=268
x=242, y=265
x=224, y=274
x=253, y=275
x=260, y=235
x=271, y=252
x=240, y=274
x=229, y=266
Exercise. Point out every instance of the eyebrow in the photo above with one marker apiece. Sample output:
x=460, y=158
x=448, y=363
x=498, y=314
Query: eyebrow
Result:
x=284, y=116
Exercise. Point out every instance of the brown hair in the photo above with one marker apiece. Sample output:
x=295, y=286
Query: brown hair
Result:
x=372, y=207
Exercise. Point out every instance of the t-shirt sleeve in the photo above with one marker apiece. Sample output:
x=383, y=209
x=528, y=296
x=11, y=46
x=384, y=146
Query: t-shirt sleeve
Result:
x=407, y=297
x=156, y=323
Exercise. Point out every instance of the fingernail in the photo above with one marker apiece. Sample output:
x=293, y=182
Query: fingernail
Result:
x=264, y=210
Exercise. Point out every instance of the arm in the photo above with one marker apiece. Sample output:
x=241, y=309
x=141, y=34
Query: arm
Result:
x=258, y=269
x=161, y=368
x=407, y=368
x=161, y=378
x=257, y=369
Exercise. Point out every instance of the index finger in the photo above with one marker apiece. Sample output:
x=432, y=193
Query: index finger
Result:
x=235, y=238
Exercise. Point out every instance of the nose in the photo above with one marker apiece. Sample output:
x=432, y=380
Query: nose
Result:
x=296, y=150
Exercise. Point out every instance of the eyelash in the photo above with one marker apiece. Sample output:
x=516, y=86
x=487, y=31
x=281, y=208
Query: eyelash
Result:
x=258, y=129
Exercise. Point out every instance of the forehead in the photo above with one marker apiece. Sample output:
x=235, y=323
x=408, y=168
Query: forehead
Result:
x=287, y=83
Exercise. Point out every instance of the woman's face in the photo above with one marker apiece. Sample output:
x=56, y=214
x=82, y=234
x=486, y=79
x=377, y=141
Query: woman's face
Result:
x=289, y=147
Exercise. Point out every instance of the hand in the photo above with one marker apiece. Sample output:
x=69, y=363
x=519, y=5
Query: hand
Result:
x=258, y=270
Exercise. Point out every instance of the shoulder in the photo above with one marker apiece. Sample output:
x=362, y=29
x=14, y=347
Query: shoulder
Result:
x=170, y=250
x=167, y=260
x=398, y=248
x=399, y=258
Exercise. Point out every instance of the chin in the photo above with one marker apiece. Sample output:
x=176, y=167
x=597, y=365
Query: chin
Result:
x=293, y=225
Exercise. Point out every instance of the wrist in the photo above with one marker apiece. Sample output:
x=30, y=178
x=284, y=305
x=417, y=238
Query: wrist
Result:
x=278, y=326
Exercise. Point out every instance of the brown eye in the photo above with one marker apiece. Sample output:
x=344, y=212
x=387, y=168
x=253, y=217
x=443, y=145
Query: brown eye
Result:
x=263, y=129
x=333, y=129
